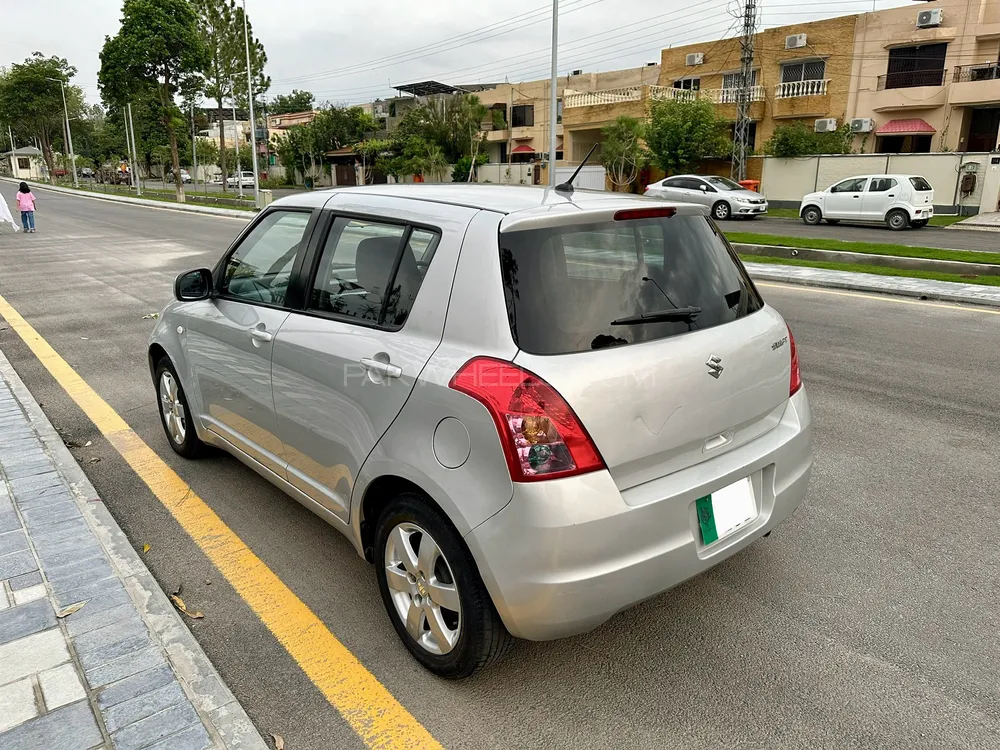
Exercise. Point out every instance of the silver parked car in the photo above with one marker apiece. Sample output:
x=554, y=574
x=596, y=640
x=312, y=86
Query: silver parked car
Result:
x=724, y=197
x=530, y=409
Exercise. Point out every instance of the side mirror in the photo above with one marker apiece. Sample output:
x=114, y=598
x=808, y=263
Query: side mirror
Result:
x=703, y=187
x=192, y=286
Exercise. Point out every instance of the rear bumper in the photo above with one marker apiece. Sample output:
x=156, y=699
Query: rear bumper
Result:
x=566, y=555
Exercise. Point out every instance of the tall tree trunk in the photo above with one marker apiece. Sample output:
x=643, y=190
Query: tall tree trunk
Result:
x=165, y=100
x=47, y=156
x=222, y=142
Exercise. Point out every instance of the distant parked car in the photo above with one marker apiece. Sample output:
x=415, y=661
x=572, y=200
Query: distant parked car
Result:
x=725, y=197
x=87, y=172
x=899, y=200
x=244, y=178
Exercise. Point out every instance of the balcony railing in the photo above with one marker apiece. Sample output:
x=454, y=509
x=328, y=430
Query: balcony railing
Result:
x=907, y=79
x=794, y=89
x=673, y=94
x=608, y=96
x=983, y=72
x=731, y=96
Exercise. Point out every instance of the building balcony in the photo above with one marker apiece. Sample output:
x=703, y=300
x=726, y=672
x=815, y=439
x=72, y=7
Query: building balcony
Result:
x=494, y=136
x=797, y=89
x=607, y=96
x=797, y=99
x=910, y=89
x=525, y=133
x=669, y=93
x=976, y=84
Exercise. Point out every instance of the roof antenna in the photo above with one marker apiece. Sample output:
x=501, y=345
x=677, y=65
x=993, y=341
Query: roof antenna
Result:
x=567, y=187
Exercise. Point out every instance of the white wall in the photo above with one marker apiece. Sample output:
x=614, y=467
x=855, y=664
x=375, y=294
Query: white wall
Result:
x=506, y=174
x=590, y=177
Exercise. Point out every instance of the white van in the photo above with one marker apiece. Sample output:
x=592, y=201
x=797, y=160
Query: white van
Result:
x=900, y=200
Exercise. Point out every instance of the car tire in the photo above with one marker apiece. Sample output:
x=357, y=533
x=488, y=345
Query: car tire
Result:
x=812, y=215
x=721, y=211
x=897, y=220
x=469, y=638
x=833, y=222
x=175, y=416
x=919, y=223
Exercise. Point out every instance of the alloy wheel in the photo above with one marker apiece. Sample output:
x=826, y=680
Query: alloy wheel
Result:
x=172, y=408
x=423, y=588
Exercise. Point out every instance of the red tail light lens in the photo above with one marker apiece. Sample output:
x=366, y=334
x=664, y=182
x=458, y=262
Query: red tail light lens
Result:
x=541, y=436
x=630, y=214
x=796, y=380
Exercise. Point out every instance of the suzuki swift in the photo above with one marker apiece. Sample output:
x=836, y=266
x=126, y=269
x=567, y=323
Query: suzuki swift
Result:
x=529, y=408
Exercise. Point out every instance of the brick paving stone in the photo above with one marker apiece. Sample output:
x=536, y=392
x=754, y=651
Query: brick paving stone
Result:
x=155, y=727
x=69, y=728
x=137, y=684
x=125, y=666
x=193, y=738
x=31, y=654
x=17, y=704
x=127, y=627
x=16, y=563
x=143, y=706
x=26, y=619
x=61, y=686
x=13, y=541
x=24, y=581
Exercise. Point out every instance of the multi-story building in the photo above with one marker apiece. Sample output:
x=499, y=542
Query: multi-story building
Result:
x=278, y=125
x=926, y=77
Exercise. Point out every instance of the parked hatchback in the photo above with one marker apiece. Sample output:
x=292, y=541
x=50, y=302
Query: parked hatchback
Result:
x=725, y=198
x=243, y=179
x=899, y=200
x=530, y=409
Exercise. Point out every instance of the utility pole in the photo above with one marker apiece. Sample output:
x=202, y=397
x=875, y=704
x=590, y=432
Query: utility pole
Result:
x=744, y=95
x=253, y=122
x=236, y=141
x=194, y=149
x=554, y=94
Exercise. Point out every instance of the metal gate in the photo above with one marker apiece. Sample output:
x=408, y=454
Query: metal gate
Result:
x=590, y=177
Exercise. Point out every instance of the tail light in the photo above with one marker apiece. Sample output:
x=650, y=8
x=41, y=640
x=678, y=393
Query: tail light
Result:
x=541, y=436
x=795, y=382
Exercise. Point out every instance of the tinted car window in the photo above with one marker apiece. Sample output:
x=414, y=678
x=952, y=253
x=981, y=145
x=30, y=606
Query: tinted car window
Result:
x=674, y=182
x=261, y=267
x=567, y=286
x=692, y=184
x=881, y=184
x=854, y=185
x=919, y=183
x=366, y=271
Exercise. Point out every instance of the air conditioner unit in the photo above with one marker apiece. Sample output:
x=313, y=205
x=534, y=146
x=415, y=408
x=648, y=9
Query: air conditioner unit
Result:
x=927, y=19
x=826, y=125
x=577, y=73
x=862, y=125
x=695, y=58
x=795, y=41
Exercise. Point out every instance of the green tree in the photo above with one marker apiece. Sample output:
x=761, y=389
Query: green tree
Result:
x=220, y=26
x=297, y=101
x=798, y=139
x=680, y=134
x=369, y=152
x=157, y=46
x=31, y=101
x=622, y=152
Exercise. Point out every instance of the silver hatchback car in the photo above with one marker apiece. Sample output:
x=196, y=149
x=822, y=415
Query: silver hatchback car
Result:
x=530, y=409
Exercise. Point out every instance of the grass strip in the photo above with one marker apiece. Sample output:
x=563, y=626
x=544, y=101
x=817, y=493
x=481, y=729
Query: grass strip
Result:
x=875, y=270
x=868, y=248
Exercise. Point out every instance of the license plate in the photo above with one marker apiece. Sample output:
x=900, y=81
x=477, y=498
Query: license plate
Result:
x=726, y=510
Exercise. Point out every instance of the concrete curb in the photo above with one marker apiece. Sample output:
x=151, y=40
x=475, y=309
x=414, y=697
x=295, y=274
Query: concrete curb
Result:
x=850, y=282
x=230, y=213
x=218, y=708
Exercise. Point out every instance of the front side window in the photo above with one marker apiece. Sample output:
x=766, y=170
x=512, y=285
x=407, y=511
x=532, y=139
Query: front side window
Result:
x=688, y=84
x=260, y=269
x=732, y=81
x=371, y=271
x=853, y=185
x=881, y=184
x=722, y=182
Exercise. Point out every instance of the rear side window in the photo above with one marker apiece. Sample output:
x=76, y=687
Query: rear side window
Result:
x=574, y=289
x=371, y=271
x=881, y=184
x=920, y=184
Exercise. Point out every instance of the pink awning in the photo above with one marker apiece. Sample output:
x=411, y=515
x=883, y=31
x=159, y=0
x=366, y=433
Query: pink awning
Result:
x=915, y=126
x=522, y=149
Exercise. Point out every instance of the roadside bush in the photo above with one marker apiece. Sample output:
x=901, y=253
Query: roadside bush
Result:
x=275, y=183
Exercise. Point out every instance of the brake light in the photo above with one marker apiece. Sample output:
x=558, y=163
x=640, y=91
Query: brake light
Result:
x=630, y=214
x=541, y=436
x=795, y=382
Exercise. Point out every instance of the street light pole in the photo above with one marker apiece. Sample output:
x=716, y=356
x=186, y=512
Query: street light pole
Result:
x=236, y=142
x=194, y=149
x=253, y=122
x=554, y=93
x=69, y=134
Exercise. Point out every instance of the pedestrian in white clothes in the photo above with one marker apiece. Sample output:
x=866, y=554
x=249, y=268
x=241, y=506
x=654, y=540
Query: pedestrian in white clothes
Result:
x=5, y=214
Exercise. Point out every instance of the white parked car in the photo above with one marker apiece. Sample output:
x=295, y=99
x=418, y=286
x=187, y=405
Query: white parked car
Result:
x=246, y=178
x=900, y=200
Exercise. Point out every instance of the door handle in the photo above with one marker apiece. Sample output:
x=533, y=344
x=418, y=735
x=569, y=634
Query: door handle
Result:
x=260, y=334
x=890, y=195
x=382, y=368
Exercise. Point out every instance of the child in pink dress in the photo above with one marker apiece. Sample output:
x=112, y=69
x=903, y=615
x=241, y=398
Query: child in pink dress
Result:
x=26, y=205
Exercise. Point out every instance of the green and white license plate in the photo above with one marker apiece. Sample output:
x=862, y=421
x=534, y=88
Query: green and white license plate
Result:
x=726, y=510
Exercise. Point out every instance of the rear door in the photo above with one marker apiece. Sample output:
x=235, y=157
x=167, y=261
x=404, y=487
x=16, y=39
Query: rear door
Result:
x=344, y=366
x=656, y=397
x=844, y=199
x=882, y=193
x=672, y=189
x=922, y=193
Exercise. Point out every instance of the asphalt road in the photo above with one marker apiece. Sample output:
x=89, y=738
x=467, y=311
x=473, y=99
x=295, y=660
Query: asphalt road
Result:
x=940, y=237
x=868, y=620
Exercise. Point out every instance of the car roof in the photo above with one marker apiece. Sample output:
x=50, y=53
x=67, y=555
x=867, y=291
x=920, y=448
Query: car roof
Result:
x=505, y=199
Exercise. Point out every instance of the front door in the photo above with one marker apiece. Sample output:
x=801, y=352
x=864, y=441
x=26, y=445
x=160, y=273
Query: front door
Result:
x=881, y=194
x=230, y=339
x=844, y=199
x=344, y=367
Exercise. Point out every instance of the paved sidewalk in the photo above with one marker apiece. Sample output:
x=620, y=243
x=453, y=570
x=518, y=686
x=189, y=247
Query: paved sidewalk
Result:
x=945, y=291
x=121, y=671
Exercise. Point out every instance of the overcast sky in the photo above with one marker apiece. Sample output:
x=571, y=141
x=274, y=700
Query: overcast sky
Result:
x=353, y=51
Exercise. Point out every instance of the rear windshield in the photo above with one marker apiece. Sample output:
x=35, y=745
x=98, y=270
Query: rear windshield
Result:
x=569, y=288
x=919, y=183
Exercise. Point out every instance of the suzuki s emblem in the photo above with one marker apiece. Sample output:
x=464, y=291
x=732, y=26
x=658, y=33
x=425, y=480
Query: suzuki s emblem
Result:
x=714, y=366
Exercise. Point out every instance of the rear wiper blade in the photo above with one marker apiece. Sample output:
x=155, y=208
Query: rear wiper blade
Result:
x=659, y=316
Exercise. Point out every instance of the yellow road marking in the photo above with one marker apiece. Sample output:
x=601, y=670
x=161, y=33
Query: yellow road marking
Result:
x=879, y=297
x=369, y=708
